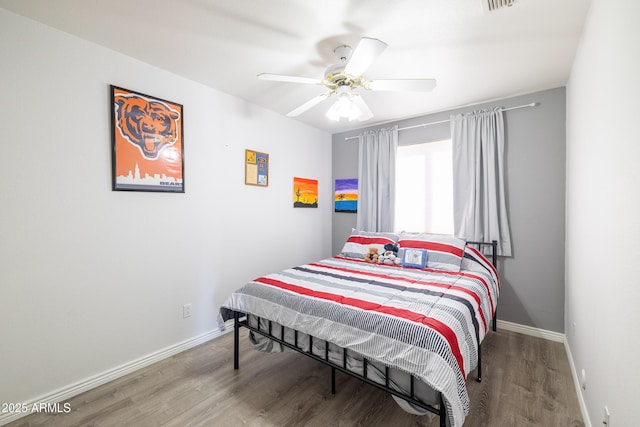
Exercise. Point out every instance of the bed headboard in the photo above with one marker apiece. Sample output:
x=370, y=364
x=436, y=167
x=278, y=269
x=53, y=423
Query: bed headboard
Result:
x=494, y=249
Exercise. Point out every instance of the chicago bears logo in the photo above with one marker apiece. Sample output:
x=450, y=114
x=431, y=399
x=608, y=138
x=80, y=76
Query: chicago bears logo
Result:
x=150, y=125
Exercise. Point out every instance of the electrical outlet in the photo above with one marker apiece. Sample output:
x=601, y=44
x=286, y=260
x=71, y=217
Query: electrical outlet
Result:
x=583, y=379
x=186, y=311
x=607, y=415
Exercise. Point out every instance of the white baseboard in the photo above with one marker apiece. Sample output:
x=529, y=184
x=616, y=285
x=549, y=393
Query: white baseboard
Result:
x=529, y=330
x=576, y=383
x=112, y=374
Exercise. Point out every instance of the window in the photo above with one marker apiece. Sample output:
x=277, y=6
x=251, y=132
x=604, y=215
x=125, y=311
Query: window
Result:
x=424, y=188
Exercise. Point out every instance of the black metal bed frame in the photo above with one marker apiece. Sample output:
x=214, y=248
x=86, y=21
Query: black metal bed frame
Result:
x=241, y=320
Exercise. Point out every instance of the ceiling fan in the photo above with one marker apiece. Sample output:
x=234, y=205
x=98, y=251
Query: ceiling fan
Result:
x=342, y=79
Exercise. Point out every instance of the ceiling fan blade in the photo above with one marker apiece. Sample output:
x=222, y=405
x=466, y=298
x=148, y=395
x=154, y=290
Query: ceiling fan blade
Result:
x=288, y=79
x=364, y=55
x=366, y=112
x=307, y=105
x=413, y=85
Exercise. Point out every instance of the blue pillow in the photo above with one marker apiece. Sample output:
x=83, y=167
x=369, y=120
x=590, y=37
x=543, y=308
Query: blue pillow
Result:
x=414, y=258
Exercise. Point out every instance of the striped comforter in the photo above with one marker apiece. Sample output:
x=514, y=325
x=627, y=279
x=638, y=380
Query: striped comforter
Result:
x=424, y=322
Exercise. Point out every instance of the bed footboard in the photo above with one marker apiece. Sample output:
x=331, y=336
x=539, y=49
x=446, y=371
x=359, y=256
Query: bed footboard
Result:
x=241, y=320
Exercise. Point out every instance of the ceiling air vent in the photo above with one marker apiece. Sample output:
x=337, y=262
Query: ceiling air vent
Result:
x=491, y=5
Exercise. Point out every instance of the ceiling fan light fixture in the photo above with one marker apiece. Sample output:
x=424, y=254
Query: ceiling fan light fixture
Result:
x=344, y=107
x=347, y=110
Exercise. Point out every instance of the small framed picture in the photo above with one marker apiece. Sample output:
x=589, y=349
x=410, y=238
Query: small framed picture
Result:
x=346, y=195
x=256, y=168
x=414, y=258
x=305, y=192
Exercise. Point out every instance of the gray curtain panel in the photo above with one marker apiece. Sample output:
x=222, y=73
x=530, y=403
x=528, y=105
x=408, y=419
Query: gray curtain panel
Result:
x=377, y=179
x=479, y=206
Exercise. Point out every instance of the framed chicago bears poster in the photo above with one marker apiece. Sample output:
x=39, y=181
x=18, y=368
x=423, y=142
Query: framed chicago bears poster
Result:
x=147, y=143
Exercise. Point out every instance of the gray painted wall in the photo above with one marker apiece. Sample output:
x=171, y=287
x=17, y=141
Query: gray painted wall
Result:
x=532, y=280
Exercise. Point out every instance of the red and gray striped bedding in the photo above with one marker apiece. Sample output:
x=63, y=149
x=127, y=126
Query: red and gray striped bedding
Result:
x=424, y=322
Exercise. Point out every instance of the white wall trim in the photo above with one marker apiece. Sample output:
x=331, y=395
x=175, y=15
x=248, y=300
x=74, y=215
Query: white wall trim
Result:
x=529, y=330
x=115, y=373
x=576, y=383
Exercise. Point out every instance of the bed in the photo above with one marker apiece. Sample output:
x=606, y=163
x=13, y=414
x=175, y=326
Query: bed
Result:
x=410, y=321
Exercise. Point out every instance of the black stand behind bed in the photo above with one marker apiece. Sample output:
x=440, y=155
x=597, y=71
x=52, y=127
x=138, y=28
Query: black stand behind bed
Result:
x=241, y=320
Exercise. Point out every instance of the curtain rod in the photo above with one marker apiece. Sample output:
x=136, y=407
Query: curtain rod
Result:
x=533, y=104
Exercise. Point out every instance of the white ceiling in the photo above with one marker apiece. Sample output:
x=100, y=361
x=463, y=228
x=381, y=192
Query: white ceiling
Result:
x=475, y=55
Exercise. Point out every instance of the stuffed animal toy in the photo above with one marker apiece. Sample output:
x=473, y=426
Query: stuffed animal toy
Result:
x=389, y=258
x=372, y=255
x=391, y=247
x=390, y=255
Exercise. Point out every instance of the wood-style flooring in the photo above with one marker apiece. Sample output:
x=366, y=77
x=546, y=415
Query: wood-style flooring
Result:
x=526, y=382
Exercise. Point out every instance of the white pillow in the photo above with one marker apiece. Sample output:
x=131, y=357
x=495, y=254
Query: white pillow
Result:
x=359, y=242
